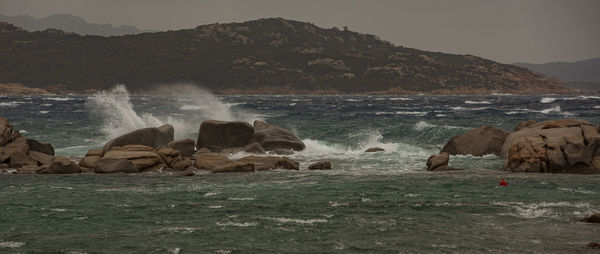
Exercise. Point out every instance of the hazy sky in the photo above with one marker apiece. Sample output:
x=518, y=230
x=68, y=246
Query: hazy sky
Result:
x=503, y=30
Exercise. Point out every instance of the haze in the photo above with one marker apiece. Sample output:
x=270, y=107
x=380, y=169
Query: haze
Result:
x=507, y=31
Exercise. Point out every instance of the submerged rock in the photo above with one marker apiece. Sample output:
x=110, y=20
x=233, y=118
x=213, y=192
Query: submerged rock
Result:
x=152, y=137
x=560, y=146
x=272, y=137
x=438, y=162
x=320, y=166
x=374, y=149
x=481, y=141
x=224, y=134
x=594, y=218
x=269, y=163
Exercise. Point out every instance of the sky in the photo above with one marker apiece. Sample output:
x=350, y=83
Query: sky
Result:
x=508, y=31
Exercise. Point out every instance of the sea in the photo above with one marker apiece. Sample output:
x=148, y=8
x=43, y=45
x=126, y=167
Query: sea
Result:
x=384, y=202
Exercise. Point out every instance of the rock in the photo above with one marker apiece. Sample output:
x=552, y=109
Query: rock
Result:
x=89, y=161
x=4, y=156
x=224, y=134
x=320, y=166
x=115, y=165
x=183, y=165
x=203, y=150
x=526, y=124
x=255, y=147
x=60, y=165
x=27, y=169
x=95, y=152
x=169, y=156
x=4, y=165
x=560, y=146
x=6, y=132
x=282, y=151
x=438, y=162
x=142, y=148
x=209, y=162
x=594, y=218
x=481, y=141
x=86, y=169
x=234, y=167
x=188, y=172
x=143, y=160
x=594, y=245
x=184, y=146
x=269, y=163
x=374, y=149
x=20, y=159
x=17, y=145
x=153, y=137
x=274, y=137
x=41, y=147
x=42, y=158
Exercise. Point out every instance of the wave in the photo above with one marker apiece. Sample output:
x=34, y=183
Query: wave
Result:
x=400, y=99
x=547, y=100
x=12, y=104
x=421, y=125
x=542, y=209
x=550, y=110
x=296, y=221
x=459, y=108
x=59, y=99
x=11, y=244
x=478, y=102
x=236, y=224
x=413, y=113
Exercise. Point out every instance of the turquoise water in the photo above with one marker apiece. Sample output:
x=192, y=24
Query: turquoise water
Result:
x=369, y=203
x=298, y=212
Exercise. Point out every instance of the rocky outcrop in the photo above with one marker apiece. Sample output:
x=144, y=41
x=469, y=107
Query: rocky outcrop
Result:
x=224, y=134
x=438, y=162
x=272, y=137
x=269, y=163
x=152, y=137
x=559, y=146
x=30, y=156
x=481, y=141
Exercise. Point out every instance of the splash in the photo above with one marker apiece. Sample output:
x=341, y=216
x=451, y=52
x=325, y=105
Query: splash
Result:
x=201, y=102
x=115, y=107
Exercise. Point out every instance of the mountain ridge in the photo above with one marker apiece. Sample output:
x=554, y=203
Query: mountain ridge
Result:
x=265, y=55
x=70, y=23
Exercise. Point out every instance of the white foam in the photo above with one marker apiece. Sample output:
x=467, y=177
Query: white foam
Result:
x=59, y=99
x=44, y=112
x=296, y=221
x=192, y=107
x=477, y=102
x=11, y=244
x=236, y=224
x=459, y=108
x=400, y=99
x=240, y=199
x=11, y=104
x=212, y=193
x=550, y=110
x=414, y=113
x=596, y=106
x=547, y=100
x=422, y=125
x=542, y=209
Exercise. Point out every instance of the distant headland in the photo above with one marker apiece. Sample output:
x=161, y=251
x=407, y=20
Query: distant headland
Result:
x=265, y=56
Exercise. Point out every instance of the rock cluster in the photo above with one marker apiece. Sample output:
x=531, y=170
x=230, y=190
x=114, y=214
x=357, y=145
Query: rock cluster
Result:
x=30, y=156
x=557, y=146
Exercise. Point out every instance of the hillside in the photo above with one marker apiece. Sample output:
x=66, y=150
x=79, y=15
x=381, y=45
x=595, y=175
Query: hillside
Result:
x=69, y=23
x=583, y=71
x=262, y=56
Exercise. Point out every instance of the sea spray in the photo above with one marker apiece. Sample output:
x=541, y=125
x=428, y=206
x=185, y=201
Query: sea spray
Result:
x=115, y=107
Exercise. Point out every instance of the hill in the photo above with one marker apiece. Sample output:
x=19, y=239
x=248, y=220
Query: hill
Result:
x=69, y=23
x=583, y=71
x=271, y=55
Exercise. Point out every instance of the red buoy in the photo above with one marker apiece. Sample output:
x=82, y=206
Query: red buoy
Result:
x=503, y=183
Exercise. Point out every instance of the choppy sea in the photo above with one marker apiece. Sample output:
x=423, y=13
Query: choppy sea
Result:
x=369, y=203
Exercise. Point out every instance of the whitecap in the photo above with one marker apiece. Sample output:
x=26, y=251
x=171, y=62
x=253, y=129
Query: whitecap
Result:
x=477, y=102
x=296, y=221
x=240, y=199
x=459, y=108
x=182, y=230
x=414, y=113
x=336, y=204
x=292, y=104
x=59, y=99
x=596, y=106
x=11, y=104
x=550, y=110
x=215, y=206
x=44, y=112
x=547, y=100
x=212, y=193
x=11, y=244
x=351, y=100
x=236, y=224
x=46, y=105
x=400, y=99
